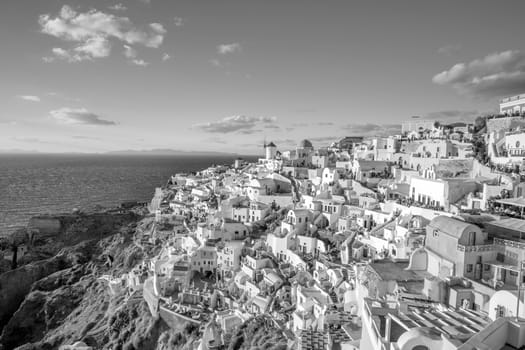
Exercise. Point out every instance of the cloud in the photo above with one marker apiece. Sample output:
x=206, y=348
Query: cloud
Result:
x=166, y=57
x=81, y=137
x=158, y=28
x=95, y=47
x=91, y=32
x=498, y=74
x=8, y=121
x=449, y=49
x=118, y=7
x=62, y=96
x=129, y=52
x=215, y=140
x=228, y=48
x=239, y=123
x=78, y=116
x=299, y=125
x=216, y=63
x=370, y=129
x=453, y=115
x=179, y=22
x=250, y=131
x=284, y=143
x=323, y=139
x=32, y=140
x=29, y=98
x=325, y=123
x=272, y=127
x=141, y=63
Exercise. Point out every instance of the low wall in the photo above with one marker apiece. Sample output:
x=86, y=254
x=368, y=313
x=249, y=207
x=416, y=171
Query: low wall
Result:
x=174, y=320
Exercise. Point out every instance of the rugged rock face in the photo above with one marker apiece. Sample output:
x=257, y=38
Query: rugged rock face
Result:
x=37, y=297
x=73, y=229
x=73, y=304
x=61, y=300
x=15, y=284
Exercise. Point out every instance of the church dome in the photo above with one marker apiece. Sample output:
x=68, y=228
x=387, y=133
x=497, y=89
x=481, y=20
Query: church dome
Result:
x=305, y=144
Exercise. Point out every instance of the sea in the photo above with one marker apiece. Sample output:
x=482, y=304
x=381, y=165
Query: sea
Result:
x=47, y=184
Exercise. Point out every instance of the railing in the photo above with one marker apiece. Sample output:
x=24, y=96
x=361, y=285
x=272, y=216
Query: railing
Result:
x=476, y=248
x=507, y=243
x=512, y=98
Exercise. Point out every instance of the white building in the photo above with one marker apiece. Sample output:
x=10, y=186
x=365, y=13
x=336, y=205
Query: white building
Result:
x=512, y=105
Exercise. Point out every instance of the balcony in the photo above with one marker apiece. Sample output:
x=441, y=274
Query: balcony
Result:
x=499, y=276
x=475, y=248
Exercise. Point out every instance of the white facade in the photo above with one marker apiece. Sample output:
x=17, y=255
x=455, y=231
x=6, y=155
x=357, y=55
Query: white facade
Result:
x=512, y=105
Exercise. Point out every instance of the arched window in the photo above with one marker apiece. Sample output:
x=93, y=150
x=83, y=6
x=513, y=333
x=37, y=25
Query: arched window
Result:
x=420, y=347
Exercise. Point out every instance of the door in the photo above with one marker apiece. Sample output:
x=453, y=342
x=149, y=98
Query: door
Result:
x=472, y=238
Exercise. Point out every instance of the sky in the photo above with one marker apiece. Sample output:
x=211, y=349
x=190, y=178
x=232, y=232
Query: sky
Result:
x=105, y=75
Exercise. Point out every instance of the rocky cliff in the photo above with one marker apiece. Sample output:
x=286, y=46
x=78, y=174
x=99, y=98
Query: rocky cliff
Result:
x=62, y=300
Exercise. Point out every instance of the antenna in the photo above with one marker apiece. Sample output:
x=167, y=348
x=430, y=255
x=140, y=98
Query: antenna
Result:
x=264, y=145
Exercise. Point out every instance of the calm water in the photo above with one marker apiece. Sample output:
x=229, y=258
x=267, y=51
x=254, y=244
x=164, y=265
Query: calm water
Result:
x=37, y=184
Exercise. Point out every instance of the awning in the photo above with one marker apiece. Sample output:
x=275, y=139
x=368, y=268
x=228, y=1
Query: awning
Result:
x=517, y=202
x=501, y=265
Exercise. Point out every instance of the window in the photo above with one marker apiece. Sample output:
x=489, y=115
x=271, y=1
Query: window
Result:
x=487, y=267
x=469, y=268
x=501, y=311
x=435, y=233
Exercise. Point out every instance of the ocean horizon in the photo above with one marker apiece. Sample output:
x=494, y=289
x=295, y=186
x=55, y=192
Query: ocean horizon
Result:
x=35, y=184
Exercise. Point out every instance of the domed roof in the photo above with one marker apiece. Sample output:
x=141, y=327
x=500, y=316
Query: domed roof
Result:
x=305, y=144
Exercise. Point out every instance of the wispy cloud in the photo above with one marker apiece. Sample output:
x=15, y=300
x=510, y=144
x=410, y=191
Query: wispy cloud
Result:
x=166, y=57
x=179, y=22
x=239, y=123
x=8, y=121
x=323, y=139
x=370, y=129
x=453, y=115
x=139, y=62
x=33, y=140
x=30, y=98
x=62, y=96
x=228, y=48
x=131, y=54
x=215, y=140
x=81, y=137
x=449, y=49
x=96, y=47
x=216, y=63
x=495, y=75
x=118, y=7
x=284, y=143
x=78, y=116
x=91, y=32
x=273, y=127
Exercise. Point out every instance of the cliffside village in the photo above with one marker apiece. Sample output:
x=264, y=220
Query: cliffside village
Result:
x=406, y=242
